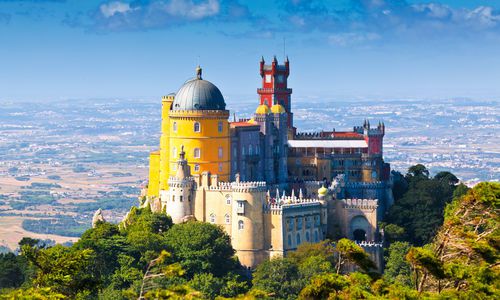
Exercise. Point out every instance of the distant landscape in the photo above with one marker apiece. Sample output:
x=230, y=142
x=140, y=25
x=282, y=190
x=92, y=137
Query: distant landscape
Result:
x=61, y=161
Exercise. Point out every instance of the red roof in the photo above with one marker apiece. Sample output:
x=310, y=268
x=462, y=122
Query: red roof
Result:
x=242, y=124
x=347, y=134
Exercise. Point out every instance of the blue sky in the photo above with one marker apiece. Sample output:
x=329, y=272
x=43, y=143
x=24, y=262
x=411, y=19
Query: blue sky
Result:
x=340, y=49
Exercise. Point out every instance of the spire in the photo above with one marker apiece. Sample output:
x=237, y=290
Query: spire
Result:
x=275, y=60
x=293, y=194
x=286, y=59
x=198, y=72
x=277, y=193
x=182, y=154
x=301, y=195
x=262, y=59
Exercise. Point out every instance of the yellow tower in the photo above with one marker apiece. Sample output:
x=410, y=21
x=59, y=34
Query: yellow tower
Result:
x=198, y=120
x=166, y=106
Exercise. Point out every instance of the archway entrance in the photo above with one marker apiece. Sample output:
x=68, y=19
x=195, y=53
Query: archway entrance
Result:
x=359, y=235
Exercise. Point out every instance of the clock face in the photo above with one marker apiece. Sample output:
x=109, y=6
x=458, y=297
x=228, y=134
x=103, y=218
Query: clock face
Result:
x=268, y=78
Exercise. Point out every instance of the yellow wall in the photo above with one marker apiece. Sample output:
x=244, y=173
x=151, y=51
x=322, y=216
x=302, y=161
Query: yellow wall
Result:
x=154, y=174
x=209, y=139
x=166, y=105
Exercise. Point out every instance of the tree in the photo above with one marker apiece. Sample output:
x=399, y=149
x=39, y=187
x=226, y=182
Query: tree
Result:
x=397, y=268
x=418, y=171
x=201, y=248
x=63, y=270
x=323, y=286
x=12, y=270
x=348, y=251
x=279, y=277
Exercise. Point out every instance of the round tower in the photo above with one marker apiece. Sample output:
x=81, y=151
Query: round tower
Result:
x=248, y=223
x=178, y=202
x=199, y=122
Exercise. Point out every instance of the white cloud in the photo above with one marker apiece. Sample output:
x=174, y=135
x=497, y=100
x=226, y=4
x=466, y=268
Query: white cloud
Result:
x=352, y=38
x=112, y=8
x=190, y=10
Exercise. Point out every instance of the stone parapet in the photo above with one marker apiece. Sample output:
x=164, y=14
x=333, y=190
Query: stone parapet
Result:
x=360, y=203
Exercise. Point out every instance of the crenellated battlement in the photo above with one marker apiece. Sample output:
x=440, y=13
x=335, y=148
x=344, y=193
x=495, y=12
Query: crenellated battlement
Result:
x=206, y=114
x=360, y=203
x=369, y=244
x=278, y=205
x=366, y=185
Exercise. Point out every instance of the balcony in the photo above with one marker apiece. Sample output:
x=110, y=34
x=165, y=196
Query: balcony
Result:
x=273, y=90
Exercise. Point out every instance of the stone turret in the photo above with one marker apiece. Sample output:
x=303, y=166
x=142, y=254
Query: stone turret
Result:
x=179, y=198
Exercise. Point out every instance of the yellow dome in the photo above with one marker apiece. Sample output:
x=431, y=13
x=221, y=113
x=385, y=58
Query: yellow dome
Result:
x=262, y=109
x=252, y=121
x=322, y=191
x=278, y=109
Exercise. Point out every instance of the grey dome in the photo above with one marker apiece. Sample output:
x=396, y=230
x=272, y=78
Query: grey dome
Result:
x=198, y=94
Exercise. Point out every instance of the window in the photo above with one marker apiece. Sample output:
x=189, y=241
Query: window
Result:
x=220, y=152
x=197, y=127
x=289, y=240
x=197, y=153
x=220, y=167
x=250, y=149
x=180, y=198
x=220, y=126
x=299, y=223
x=240, y=225
x=228, y=200
x=308, y=222
x=242, y=150
x=241, y=207
x=298, y=239
x=173, y=198
x=316, y=239
x=268, y=78
x=196, y=167
x=174, y=127
x=307, y=236
x=174, y=152
x=212, y=218
x=227, y=219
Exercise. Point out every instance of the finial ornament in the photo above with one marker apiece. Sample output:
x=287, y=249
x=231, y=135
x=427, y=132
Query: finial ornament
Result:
x=182, y=153
x=198, y=72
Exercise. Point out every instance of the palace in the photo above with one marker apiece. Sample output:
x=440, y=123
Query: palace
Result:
x=270, y=187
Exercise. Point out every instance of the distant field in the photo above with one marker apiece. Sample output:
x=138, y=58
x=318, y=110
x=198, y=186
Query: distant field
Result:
x=63, y=160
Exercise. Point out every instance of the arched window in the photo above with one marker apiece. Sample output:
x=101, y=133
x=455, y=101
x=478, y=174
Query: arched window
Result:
x=220, y=126
x=174, y=152
x=307, y=236
x=242, y=150
x=250, y=149
x=197, y=127
x=228, y=200
x=316, y=239
x=227, y=219
x=196, y=167
x=298, y=239
x=174, y=127
x=212, y=218
x=220, y=167
x=240, y=225
x=289, y=240
x=220, y=152
x=197, y=153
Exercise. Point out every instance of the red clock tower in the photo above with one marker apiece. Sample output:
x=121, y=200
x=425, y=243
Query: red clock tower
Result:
x=274, y=86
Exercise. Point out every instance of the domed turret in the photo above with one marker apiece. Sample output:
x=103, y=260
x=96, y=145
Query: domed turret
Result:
x=198, y=94
x=278, y=109
x=322, y=191
x=262, y=109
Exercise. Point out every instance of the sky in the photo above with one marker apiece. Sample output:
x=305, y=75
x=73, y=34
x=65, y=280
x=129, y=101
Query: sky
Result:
x=339, y=49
